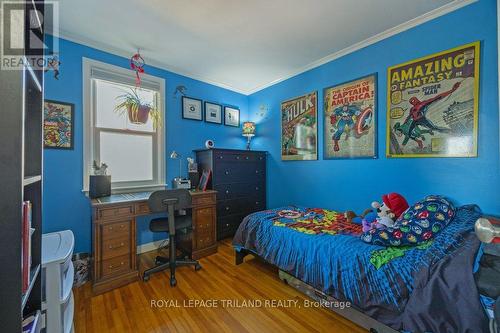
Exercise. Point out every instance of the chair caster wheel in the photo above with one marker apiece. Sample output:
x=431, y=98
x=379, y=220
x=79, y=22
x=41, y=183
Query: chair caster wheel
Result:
x=173, y=282
x=197, y=267
x=145, y=278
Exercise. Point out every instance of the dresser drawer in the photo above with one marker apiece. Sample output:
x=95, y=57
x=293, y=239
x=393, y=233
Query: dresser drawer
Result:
x=115, y=230
x=238, y=190
x=227, y=225
x=115, y=247
x=115, y=266
x=239, y=172
x=114, y=212
x=240, y=156
x=243, y=205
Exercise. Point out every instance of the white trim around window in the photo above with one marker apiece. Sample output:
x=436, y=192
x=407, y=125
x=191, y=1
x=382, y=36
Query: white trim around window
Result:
x=93, y=69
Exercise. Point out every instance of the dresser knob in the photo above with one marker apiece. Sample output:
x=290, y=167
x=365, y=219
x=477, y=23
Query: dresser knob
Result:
x=246, y=158
x=256, y=171
x=256, y=188
x=110, y=266
x=227, y=191
x=226, y=172
x=121, y=264
x=260, y=158
x=220, y=157
x=110, y=228
x=227, y=208
x=237, y=157
x=227, y=224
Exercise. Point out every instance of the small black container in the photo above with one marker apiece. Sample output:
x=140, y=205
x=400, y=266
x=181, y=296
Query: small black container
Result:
x=100, y=186
x=194, y=177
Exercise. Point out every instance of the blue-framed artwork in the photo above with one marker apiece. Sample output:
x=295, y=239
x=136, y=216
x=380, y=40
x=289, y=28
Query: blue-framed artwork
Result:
x=350, y=119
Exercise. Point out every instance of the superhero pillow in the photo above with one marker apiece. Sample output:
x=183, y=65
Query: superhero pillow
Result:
x=418, y=224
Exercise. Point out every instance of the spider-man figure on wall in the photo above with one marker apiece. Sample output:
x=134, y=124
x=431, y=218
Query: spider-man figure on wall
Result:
x=419, y=109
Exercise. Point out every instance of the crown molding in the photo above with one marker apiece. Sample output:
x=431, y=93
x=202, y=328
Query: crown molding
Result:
x=126, y=53
x=435, y=13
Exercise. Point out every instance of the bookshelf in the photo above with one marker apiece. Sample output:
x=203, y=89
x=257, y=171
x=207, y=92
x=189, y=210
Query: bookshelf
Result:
x=21, y=162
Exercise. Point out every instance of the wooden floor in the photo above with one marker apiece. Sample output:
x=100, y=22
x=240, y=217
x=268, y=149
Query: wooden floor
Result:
x=129, y=309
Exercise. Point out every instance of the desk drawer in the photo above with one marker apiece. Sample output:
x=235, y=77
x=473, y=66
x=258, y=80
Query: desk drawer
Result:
x=201, y=200
x=115, y=247
x=115, y=230
x=114, y=212
x=115, y=265
x=142, y=208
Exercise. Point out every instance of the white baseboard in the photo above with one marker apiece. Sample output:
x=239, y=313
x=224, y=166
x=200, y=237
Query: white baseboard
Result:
x=150, y=246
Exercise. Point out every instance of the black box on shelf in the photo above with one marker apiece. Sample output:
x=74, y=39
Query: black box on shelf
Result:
x=100, y=186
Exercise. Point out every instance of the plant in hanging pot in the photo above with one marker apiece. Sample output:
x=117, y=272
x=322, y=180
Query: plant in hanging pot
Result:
x=137, y=109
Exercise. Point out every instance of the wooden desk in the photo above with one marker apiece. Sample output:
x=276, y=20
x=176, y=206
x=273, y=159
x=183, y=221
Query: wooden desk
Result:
x=114, y=246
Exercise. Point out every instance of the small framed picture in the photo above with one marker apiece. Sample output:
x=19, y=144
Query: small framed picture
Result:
x=58, y=125
x=205, y=177
x=213, y=113
x=231, y=116
x=192, y=108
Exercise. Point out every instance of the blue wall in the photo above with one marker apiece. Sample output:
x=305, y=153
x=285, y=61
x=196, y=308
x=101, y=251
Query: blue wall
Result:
x=353, y=184
x=65, y=206
x=336, y=184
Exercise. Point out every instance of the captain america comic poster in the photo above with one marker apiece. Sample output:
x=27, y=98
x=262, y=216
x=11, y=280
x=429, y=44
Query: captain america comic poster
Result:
x=432, y=105
x=299, y=128
x=350, y=119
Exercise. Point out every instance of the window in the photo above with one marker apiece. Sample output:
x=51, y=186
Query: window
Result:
x=132, y=150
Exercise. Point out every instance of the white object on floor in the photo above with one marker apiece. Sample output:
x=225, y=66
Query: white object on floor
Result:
x=57, y=281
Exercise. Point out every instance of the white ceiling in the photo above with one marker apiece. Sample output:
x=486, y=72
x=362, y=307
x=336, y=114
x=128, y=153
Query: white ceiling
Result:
x=243, y=45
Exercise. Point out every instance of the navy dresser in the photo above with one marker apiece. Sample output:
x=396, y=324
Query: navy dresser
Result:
x=239, y=177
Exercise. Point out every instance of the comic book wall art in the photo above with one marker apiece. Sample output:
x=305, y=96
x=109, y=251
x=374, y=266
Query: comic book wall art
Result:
x=432, y=105
x=350, y=111
x=58, y=125
x=299, y=128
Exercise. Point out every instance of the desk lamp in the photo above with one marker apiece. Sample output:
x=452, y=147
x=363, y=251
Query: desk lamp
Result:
x=248, y=131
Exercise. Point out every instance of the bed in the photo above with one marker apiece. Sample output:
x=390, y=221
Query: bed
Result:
x=403, y=288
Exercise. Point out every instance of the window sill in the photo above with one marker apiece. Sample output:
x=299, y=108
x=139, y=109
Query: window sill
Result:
x=130, y=189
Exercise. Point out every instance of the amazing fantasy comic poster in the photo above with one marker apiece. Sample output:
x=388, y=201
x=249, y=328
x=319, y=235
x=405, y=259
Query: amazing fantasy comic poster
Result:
x=299, y=130
x=432, y=105
x=350, y=113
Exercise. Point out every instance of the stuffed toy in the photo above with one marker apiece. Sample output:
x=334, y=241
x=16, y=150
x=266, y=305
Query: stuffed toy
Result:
x=381, y=215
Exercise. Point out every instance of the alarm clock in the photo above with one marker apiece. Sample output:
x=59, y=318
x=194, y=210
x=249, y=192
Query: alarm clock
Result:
x=209, y=144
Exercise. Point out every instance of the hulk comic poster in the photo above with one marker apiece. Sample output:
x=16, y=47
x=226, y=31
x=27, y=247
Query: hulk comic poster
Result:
x=350, y=113
x=432, y=105
x=299, y=130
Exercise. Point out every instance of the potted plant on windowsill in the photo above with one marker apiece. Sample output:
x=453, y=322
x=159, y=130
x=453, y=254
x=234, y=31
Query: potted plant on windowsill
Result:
x=138, y=111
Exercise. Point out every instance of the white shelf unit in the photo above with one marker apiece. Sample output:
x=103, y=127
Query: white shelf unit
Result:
x=57, y=281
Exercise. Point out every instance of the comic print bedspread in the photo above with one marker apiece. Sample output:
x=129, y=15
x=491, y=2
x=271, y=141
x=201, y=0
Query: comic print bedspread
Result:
x=404, y=288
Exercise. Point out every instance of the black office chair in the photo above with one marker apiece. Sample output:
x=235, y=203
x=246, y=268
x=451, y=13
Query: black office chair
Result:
x=171, y=201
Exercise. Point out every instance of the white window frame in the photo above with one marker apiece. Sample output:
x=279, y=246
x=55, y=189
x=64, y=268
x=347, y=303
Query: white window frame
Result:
x=93, y=69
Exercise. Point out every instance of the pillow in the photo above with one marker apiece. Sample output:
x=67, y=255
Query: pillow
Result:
x=418, y=224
